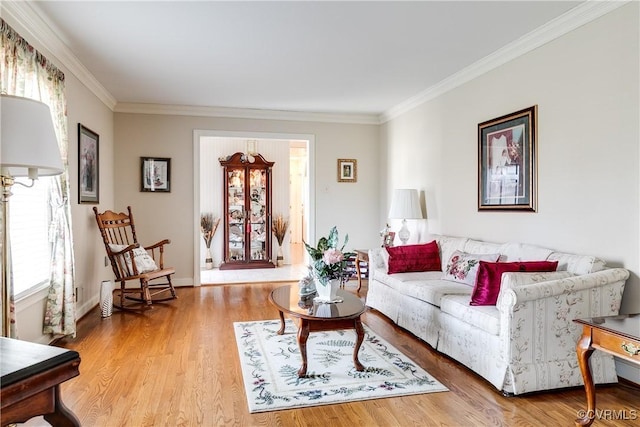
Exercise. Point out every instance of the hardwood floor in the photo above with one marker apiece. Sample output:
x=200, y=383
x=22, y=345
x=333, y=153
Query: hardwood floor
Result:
x=177, y=365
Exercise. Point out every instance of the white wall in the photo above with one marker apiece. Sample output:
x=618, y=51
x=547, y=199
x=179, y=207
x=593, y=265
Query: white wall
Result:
x=586, y=87
x=350, y=206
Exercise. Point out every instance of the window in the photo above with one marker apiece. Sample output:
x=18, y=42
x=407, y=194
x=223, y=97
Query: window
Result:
x=29, y=234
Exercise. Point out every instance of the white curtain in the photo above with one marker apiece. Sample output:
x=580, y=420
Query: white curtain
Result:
x=26, y=72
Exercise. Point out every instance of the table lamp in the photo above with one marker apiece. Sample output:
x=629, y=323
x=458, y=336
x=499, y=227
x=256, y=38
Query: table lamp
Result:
x=28, y=148
x=405, y=204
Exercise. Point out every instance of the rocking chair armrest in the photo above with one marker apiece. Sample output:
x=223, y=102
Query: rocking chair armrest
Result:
x=158, y=244
x=123, y=251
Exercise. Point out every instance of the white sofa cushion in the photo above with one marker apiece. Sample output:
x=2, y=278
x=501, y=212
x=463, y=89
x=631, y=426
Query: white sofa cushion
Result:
x=426, y=286
x=485, y=317
x=479, y=247
x=512, y=252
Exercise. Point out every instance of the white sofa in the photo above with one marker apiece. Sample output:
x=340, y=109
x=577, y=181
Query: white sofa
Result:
x=526, y=342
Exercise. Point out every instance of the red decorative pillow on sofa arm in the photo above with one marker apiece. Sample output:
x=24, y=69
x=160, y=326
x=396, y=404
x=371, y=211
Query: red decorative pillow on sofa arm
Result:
x=406, y=258
x=489, y=278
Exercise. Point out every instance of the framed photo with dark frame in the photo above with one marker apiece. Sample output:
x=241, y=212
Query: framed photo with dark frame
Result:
x=155, y=174
x=347, y=170
x=88, y=165
x=507, y=163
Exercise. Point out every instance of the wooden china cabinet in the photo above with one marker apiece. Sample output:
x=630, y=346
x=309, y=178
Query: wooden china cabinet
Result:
x=247, y=207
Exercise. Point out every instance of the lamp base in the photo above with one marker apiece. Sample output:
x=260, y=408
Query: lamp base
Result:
x=403, y=233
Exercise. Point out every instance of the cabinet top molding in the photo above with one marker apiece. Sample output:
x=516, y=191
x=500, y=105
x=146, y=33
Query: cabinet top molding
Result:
x=244, y=159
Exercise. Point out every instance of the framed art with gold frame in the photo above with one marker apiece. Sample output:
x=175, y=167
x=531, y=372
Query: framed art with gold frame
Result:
x=347, y=170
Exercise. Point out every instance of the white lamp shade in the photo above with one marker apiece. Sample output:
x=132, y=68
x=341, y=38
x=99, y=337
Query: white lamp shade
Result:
x=405, y=204
x=28, y=143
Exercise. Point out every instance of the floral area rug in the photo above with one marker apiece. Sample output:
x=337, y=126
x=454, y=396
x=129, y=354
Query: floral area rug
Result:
x=270, y=364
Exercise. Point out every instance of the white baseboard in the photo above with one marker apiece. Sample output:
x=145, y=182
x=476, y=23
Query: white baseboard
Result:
x=628, y=370
x=87, y=306
x=182, y=281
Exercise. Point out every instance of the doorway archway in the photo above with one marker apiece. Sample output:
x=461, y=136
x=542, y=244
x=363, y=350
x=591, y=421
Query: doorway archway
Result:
x=294, y=152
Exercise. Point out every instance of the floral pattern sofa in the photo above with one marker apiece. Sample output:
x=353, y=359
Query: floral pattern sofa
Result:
x=527, y=341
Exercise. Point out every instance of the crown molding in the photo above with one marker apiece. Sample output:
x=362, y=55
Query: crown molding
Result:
x=245, y=113
x=563, y=24
x=40, y=30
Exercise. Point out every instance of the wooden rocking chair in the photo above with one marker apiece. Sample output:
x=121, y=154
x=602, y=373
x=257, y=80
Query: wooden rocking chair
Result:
x=131, y=262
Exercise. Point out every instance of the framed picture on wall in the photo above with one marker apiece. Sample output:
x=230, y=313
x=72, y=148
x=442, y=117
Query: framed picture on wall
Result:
x=155, y=174
x=88, y=165
x=507, y=176
x=347, y=170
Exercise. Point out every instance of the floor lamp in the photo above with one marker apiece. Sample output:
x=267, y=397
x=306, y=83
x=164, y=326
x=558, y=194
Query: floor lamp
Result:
x=405, y=204
x=28, y=148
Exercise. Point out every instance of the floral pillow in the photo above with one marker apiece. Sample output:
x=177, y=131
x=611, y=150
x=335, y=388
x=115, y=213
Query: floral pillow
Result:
x=463, y=267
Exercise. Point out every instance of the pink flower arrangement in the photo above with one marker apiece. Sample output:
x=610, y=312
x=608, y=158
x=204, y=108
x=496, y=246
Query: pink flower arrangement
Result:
x=329, y=262
x=332, y=256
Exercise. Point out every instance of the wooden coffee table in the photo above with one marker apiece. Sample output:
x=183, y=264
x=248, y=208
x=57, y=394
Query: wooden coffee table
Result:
x=315, y=317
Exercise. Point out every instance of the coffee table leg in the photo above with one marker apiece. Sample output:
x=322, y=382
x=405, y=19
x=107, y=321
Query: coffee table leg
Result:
x=360, y=334
x=303, y=334
x=281, y=330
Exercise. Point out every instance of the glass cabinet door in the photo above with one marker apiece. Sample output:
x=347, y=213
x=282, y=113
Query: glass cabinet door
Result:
x=258, y=213
x=236, y=214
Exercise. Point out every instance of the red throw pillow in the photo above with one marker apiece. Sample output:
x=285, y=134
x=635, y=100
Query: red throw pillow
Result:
x=487, y=287
x=424, y=257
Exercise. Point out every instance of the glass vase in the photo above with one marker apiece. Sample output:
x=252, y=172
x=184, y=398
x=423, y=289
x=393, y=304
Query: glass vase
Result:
x=208, y=260
x=280, y=257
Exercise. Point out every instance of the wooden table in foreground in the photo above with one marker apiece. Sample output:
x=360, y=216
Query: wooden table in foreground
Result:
x=315, y=317
x=31, y=378
x=617, y=335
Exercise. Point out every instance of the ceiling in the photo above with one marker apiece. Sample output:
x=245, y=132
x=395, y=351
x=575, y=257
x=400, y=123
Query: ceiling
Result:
x=308, y=56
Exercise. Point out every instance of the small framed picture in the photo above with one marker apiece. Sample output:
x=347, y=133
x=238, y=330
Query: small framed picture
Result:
x=347, y=170
x=388, y=238
x=155, y=174
x=88, y=166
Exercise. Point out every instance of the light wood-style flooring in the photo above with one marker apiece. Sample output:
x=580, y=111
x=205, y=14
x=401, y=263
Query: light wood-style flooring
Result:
x=177, y=365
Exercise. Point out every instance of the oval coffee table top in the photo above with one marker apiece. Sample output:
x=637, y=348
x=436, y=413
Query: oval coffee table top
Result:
x=287, y=300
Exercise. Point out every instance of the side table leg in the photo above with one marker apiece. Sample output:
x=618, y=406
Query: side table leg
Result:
x=360, y=334
x=584, y=351
x=359, y=273
x=303, y=334
x=281, y=330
